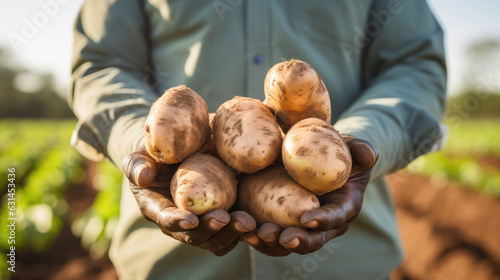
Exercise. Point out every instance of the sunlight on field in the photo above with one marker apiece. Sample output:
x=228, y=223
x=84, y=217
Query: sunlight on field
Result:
x=45, y=166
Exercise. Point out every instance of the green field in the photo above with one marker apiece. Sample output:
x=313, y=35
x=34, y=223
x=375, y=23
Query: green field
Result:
x=44, y=165
x=470, y=158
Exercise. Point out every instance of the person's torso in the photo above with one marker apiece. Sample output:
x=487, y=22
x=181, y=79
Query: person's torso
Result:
x=225, y=48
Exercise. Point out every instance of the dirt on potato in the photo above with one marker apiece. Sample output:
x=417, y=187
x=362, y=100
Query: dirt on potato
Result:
x=271, y=195
x=295, y=91
x=177, y=125
x=247, y=136
x=316, y=156
x=209, y=147
x=203, y=183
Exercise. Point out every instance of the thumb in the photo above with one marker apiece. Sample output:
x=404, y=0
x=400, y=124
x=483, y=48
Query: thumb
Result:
x=363, y=153
x=140, y=169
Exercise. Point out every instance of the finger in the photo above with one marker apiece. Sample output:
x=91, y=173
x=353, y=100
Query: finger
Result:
x=223, y=251
x=140, y=169
x=338, y=208
x=156, y=205
x=241, y=222
x=363, y=153
x=260, y=245
x=300, y=241
x=210, y=224
x=173, y=219
x=269, y=233
x=164, y=175
x=325, y=218
x=364, y=156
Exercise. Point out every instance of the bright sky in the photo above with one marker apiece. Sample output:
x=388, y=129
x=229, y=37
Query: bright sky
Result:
x=49, y=26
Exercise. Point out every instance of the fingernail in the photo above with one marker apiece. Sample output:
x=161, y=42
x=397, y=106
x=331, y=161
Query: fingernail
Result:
x=216, y=224
x=292, y=244
x=312, y=224
x=364, y=146
x=239, y=227
x=252, y=239
x=269, y=238
x=144, y=174
x=185, y=224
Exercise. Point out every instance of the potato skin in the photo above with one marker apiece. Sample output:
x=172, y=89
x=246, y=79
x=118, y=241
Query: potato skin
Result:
x=209, y=147
x=316, y=156
x=177, y=125
x=203, y=183
x=295, y=91
x=247, y=135
x=272, y=196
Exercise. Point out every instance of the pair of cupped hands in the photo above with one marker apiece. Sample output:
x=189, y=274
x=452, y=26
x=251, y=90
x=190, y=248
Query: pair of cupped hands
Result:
x=219, y=231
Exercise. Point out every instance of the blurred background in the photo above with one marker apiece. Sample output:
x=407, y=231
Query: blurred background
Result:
x=448, y=202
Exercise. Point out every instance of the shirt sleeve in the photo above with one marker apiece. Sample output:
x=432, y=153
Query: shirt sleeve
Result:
x=404, y=84
x=111, y=79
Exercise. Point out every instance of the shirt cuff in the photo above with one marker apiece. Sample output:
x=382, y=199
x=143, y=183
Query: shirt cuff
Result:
x=127, y=136
x=362, y=128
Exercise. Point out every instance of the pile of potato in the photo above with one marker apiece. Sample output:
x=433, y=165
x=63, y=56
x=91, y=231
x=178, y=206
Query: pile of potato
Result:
x=271, y=158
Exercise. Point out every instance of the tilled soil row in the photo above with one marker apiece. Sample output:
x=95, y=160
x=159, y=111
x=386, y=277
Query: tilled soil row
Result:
x=447, y=232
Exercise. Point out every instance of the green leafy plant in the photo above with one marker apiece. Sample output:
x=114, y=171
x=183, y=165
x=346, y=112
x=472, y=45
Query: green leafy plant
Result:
x=97, y=224
x=45, y=166
x=461, y=160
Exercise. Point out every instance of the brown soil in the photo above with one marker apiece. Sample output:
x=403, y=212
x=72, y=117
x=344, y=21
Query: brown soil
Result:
x=491, y=162
x=447, y=232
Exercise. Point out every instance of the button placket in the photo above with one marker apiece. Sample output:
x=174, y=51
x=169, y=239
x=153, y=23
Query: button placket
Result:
x=258, y=52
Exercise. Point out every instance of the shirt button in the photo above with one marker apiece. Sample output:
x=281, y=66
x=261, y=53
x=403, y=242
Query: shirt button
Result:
x=257, y=59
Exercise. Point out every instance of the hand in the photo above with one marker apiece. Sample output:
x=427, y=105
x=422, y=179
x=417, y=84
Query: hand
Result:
x=338, y=209
x=216, y=231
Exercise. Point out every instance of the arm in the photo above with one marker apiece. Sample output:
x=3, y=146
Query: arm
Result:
x=111, y=97
x=397, y=115
x=110, y=93
x=404, y=81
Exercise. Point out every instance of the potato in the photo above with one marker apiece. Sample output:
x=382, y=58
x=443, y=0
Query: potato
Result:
x=209, y=147
x=177, y=125
x=272, y=196
x=203, y=183
x=247, y=135
x=295, y=91
x=316, y=156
